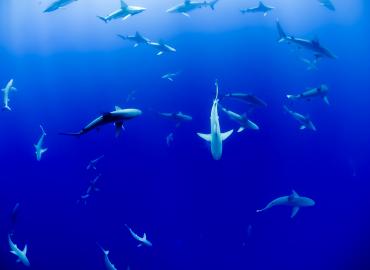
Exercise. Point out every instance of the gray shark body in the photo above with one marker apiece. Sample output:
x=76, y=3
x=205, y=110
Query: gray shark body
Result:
x=108, y=264
x=118, y=117
x=137, y=39
x=123, y=13
x=247, y=98
x=39, y=150
x=59, y=4
x=311, y=45
x=305, y=121
x=321, y=92
x=8, y=88
x=189, y=6
x=328, y=4
x=143, y=241
x=293, y=200
x=242, y=120
x=21, y=254
x=261, y=8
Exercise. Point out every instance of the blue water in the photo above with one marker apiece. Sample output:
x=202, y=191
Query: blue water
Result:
x=69, y=67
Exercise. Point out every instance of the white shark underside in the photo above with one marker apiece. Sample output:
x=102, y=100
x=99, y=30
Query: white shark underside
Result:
x=215, y=138
x=8, y=88
x=293, y=200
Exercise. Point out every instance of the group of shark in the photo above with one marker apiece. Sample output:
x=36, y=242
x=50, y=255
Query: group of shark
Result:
x=119, y=116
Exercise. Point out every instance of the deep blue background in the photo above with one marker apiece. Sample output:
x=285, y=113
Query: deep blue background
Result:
x=195, y=210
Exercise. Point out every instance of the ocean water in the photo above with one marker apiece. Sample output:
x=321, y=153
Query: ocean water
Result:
x=69, y=67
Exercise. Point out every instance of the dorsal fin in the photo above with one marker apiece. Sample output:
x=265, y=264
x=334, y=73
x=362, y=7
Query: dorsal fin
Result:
x=123, y=4
x=25, y=250
x=294, y=194
x=144, y=236
x=117, y=108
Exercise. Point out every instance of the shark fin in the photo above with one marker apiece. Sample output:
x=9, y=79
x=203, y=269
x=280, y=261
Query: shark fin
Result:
x=185, y=14
x=136, y=45
x=139, y=245
x=282, y=35
x=240, y=129
x=294, y=211
x=24, y=251
x=144, y=236
x=227, y=134
x=123, y=4
x=43, y=150
x=14, y=89
x=13, y=252
x=326, y=100
x=302, y=127
x=206, y=137
x=160, y=53
x=103, y=19
x=126, y=17
x=117, y=108
x=294, y=194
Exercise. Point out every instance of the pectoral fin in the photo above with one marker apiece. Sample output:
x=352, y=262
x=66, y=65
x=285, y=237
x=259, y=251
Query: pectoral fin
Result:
x=326, y=100
x=241, y=129
x=126, y=17
x=302, y=127
x=227, y=134
x=206, y=137
x=294, y=211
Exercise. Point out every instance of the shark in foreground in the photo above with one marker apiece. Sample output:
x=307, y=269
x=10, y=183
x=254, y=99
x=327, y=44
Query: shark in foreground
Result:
x=38, y=146
x=162, y=47
x=9, y=87
x=305, y=121
x=242, y=120
x=311, y=45
x=215, y=138
x=21, y=254
x=143, y=241
x=59, y=4
x=92, y=163
x=321, y=91
x=293, y=200
x=137, y=39
x=118, y=117
x=247, y=98
x=261, y=8
x=328, y=4
x=108, y=264
x=188, y=6
x=123, y=13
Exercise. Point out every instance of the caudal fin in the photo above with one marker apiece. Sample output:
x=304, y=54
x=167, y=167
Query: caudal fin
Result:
x=212, y=4
x=102, y=18
x=282, y=35
x=7, y=109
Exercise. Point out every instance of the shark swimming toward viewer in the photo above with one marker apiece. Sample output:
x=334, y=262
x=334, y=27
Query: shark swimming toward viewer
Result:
x=39, y=151
x=311, y=45
x=305, y=121
x=118, y=117
x=123, y=13
x=261, y=8
x=293, y=200
x=8, y=88
x=143, y=241
x=59, y=4
x=188, y=6
x=21, y=254
x=321, y=91
x=215, y=138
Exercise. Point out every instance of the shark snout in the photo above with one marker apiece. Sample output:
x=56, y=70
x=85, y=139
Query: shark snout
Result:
x=310, y=202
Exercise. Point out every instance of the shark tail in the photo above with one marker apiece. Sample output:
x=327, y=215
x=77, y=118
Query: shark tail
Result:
x=122, y=36
x=7, y=108
x=106, y=252
x=102, y=18
x=282, y=35
x=42, y=129
x=212, y=4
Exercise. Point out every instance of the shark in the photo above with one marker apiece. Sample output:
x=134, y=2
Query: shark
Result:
x=58, y=4
x=261, y=8
x=118, y=117
x=170, y=76
x=123, y=13
x=215, y=138
x=8, y=88
x=188, y=6
x=178, y=116
x=305, y=121
x=328, y=4
x=143, y=241
x=321, y=91
x=162, y=47
x=137, y=39
x=92, y=163
x=293, y=200
x=242, y=120
x=311, y=64
x=108, y=264
x=250, y=99
x=21, y=254
x=39, y=150
x=311, y=45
